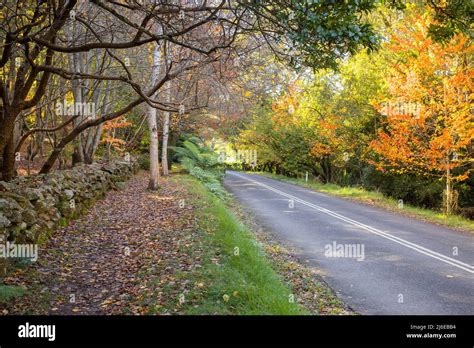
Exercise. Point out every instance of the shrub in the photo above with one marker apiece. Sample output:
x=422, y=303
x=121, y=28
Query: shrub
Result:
x=144, y=162
x=202, y=163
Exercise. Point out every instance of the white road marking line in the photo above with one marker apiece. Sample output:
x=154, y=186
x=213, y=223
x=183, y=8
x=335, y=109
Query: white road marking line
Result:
x=416, y=247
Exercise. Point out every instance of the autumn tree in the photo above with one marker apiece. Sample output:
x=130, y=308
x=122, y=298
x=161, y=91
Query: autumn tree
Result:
x=36, y=35
x=428, y=128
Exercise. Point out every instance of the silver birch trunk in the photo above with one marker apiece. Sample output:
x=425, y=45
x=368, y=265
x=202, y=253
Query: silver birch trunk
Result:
x=153, y=126
x=166, y=129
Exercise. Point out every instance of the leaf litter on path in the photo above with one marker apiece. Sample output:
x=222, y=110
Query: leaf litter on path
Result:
x=108, y=260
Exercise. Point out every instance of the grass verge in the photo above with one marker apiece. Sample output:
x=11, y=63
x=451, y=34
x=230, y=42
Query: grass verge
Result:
x=239, y=268
x=379, y=200
x=309, y=288
x=236, y=277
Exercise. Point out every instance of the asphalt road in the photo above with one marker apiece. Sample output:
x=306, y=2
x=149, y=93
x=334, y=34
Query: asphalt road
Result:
x=378, y=262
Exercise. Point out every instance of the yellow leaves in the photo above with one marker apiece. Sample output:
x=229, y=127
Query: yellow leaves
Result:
x=226, y=297
x=286, y=106
x=461, y=177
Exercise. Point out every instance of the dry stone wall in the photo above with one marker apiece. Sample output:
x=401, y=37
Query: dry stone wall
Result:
x=31, y=207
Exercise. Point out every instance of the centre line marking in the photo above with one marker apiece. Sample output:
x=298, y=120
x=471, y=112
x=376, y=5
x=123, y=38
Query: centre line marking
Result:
x=413, y=246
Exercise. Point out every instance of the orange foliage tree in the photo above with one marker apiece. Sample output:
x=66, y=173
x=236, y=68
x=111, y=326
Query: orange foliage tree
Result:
x=109, y=135
x=428, y=129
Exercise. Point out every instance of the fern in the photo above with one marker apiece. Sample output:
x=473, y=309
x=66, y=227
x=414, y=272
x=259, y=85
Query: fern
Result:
x=202, y=163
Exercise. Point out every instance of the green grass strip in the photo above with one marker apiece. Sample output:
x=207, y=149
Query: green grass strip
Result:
x=242, y=281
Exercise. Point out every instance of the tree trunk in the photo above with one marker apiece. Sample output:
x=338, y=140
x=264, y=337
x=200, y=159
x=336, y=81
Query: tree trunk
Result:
x=8, y=164
x=173, y=138
x=164, y=148
x=75, y=64
x=154, y=149
x=153, y=126
x=9, y=156
x=48, y=165
x=7, y=126
x=101, y=101
x=326, y=169
x=166, y=119
x=78, y=154
x=449, y=192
